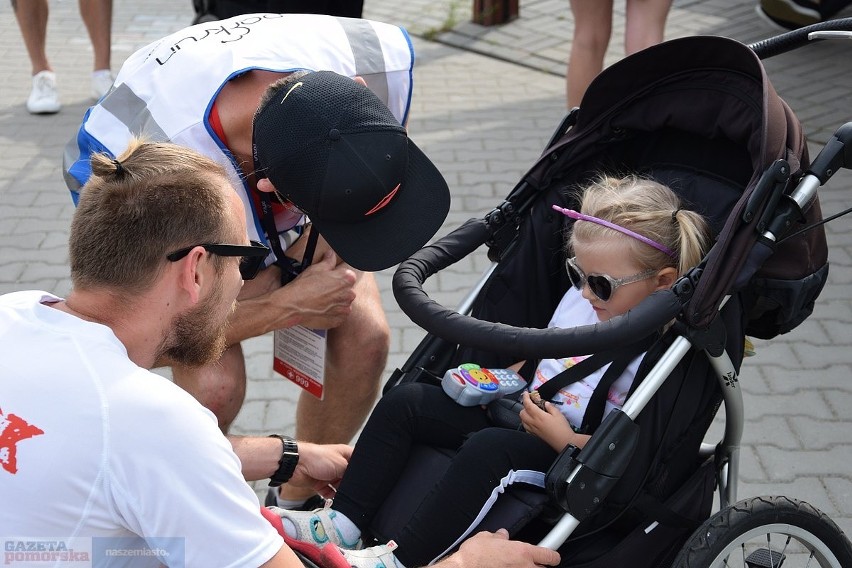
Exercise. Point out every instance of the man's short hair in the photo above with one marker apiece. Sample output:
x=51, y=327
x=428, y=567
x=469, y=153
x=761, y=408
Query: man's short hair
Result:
x=154, y=199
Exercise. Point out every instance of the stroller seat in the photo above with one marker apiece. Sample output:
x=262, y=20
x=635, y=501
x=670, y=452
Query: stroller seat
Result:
x=667, y=495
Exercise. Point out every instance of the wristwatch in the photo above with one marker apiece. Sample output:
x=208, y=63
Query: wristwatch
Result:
x=288, y=462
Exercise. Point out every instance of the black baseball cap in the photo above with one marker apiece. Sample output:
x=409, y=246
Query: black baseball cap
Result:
x=333, y=148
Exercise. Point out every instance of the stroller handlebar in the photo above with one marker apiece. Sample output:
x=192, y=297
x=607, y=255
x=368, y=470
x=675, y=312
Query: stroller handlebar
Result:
x=789, y=41
x=643, y=320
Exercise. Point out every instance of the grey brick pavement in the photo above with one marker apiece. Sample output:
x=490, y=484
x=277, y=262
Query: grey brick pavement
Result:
x=486, y=100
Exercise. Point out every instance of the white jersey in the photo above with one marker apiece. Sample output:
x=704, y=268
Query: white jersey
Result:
x=574, y=311
x=165, y=90
x=96, y=452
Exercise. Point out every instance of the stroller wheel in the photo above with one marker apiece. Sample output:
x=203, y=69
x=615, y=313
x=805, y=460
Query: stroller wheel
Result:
x=767, y=532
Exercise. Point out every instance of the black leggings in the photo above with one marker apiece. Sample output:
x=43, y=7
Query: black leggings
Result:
x=422, y=414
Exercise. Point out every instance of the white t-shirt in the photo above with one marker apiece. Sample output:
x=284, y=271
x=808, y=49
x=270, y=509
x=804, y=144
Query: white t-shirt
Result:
x=95, y=450
x=573, y=311
x=165, y=90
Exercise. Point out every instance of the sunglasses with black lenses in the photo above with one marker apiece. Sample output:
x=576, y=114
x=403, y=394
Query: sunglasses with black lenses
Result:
x=250, y=263
x=602, y=285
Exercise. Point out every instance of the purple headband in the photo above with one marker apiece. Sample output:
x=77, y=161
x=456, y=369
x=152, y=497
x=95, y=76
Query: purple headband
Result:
x=581, y=217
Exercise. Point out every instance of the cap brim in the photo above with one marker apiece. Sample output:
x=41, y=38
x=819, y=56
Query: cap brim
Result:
x=402, y=227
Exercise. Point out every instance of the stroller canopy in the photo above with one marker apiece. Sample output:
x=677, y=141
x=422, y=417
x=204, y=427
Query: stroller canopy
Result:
x=697, y=113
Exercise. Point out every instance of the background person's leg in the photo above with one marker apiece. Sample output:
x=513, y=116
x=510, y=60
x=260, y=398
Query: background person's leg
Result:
x=645, y=24
x=592, y=30
x=32, y=21
x=97, y=15
x=356, y=354
x=219, y=386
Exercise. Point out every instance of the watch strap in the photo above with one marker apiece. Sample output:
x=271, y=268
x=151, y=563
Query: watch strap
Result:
x=288, y=462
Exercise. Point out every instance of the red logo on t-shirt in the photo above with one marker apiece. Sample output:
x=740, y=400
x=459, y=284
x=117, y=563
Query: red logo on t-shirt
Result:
x=12, y=430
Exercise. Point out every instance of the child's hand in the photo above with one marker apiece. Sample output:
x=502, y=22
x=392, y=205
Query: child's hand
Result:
x=548, y=424
x=535, y=396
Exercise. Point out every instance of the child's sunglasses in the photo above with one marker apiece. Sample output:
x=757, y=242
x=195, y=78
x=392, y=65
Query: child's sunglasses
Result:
x=602, y=285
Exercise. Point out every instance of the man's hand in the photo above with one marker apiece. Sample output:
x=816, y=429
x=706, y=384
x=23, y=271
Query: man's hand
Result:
x=324, y=292
x=495, y=550
x=320, y=298
x=321, y=467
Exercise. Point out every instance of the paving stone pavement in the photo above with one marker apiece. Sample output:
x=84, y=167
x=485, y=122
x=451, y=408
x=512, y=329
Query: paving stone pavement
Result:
x=486, y=101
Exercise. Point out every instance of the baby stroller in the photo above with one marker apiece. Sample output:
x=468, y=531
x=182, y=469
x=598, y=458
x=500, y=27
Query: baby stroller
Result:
x=699, y=115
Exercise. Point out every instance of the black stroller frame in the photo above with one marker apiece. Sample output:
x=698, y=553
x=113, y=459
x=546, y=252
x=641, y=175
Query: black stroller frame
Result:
x=784, y=198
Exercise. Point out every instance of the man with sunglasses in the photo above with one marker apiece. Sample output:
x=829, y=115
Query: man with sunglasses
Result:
x=137, y=470
x=200, y=88
x=123, y=451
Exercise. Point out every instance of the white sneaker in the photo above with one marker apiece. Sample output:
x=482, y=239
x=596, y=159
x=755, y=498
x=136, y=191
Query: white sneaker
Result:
x=44, y=98
x=331, y=556
x=381, y=556
x=315, y=527
x=101, y=83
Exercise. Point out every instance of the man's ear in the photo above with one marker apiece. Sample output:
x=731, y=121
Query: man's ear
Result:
x=666, y=278
x=190, y=277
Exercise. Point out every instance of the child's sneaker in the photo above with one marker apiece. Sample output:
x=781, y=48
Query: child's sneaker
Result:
x=374, y=557
x=315, y=528
x=330, y=556
x=44, y=98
